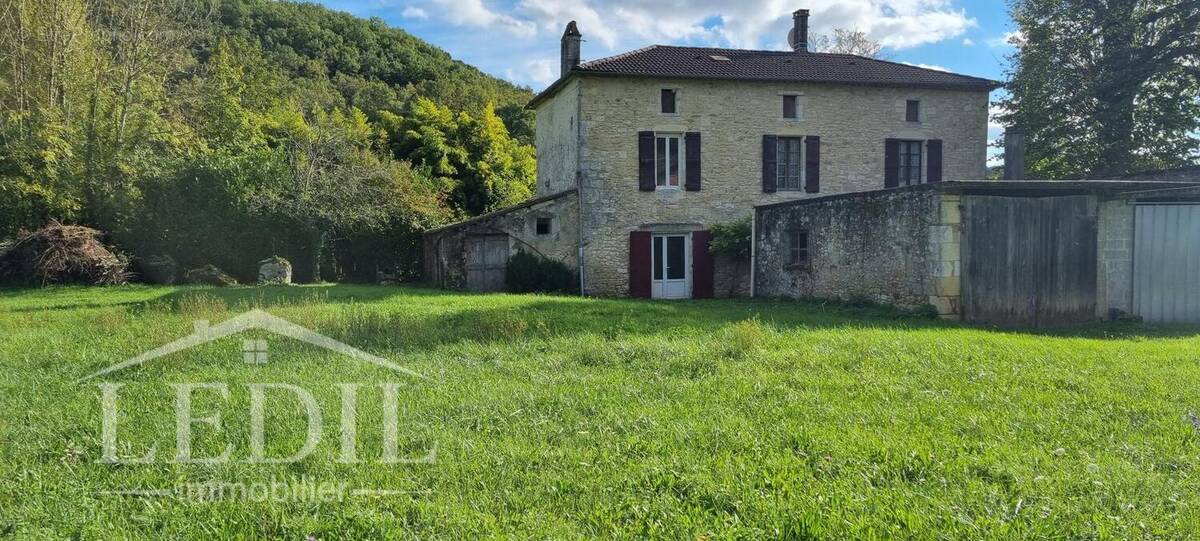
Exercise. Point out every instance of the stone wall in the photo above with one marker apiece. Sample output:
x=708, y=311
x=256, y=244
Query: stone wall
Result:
x=1114, y=280
x=557, y=140
x=732, y=117
x=445, y=248
x=884, y=246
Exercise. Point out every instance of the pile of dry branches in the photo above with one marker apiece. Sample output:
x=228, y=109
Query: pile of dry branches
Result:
x=61, y=254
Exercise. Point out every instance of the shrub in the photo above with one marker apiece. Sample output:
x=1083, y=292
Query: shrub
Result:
x=732, y=239
x=530, y=273
x=159, y=269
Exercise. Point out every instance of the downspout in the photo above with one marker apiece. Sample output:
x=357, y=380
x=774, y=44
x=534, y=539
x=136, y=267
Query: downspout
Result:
x=579, y=179
x=753, y=250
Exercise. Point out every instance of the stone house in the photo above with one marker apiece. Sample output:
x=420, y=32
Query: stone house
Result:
x=641, y=153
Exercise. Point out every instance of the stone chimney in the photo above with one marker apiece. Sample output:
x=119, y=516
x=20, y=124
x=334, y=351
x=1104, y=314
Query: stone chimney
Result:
x=798, y=37
x=570, y=49
x=1014, y=154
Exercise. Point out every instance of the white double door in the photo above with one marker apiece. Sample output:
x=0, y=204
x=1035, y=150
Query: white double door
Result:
x=672, y=267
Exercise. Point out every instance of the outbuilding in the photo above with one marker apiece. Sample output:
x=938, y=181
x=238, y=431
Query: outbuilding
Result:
x=997, y=252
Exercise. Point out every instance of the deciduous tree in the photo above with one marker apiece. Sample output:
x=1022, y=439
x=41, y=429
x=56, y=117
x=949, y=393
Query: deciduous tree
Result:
x=1106, y=87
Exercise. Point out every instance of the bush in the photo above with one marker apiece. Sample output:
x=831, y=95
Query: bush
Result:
x=159, y=269
x=733, y=239
x=61, y=254
x=530, y=273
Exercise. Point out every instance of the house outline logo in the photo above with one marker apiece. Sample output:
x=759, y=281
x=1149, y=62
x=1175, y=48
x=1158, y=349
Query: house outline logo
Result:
x=253, y=319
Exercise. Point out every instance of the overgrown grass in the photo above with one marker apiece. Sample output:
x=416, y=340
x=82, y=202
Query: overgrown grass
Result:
x=558, y=417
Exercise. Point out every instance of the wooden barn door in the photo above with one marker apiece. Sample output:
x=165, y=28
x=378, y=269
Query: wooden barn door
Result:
x=487, y=261
x=1029, y=260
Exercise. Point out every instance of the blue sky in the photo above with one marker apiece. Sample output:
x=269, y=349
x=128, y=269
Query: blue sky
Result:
x=518, y=39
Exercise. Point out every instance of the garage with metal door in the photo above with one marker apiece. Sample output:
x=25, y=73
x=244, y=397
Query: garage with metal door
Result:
x=1166, y=262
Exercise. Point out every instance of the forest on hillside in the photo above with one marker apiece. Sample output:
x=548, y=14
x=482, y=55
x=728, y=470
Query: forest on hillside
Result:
x=228, y=131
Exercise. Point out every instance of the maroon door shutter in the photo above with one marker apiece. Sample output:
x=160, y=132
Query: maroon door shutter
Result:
x=639, y=264
x=702, y=265
x=812, y=164
x=768, y=163
x=646, y=161
x=891, y=163
x=691, y=142
x=933, y=148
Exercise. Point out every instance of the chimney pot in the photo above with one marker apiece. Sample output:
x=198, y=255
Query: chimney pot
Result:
x=569, y=57
x=798, y=37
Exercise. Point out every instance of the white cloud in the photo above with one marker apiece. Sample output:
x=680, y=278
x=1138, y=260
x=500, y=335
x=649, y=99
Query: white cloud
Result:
x=551, y=18
x=618, y=25
x=1009, y=39
x=993, y=110
x=474, y=13
x=968, y=42
x=934, y=67
x=536, y=73
x=414, y=12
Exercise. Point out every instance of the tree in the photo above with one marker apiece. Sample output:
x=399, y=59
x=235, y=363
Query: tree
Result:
x=46, y=49
x=335, y=182
x=482, y=167
x=1108, y=87
x=846, y=41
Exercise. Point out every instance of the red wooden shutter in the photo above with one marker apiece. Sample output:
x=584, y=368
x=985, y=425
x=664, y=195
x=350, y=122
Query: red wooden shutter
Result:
x=691, y=141
x=812, y=164
x=891, y=163
x=646, y=161
x=702, y=265
x=639, y=264
x=933, y=148
x=768, y=162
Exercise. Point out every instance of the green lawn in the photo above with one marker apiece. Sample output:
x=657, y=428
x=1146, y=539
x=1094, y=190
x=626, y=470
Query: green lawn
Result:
x=558, y=417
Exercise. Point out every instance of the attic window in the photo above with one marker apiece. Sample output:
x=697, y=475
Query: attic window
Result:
x=720, y=58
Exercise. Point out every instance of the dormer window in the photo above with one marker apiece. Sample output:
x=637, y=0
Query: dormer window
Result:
x=669, y=99
x=912, y=111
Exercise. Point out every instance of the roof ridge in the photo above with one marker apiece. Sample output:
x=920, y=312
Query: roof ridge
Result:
x=780, y=52
x=619, y=56
x=914, y=66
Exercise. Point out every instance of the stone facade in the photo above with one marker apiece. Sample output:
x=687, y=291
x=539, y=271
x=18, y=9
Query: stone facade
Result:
x=558, y=141
x=945, y=256
x=1114, y=280
x=445, y=248
x=894, y=247
x=732, y=117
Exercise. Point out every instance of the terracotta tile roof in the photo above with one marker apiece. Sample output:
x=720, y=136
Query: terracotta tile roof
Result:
x=782, y=66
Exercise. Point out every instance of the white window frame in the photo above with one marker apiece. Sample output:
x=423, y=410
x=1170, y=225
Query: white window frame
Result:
x=680, y=155
x=779, y=164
